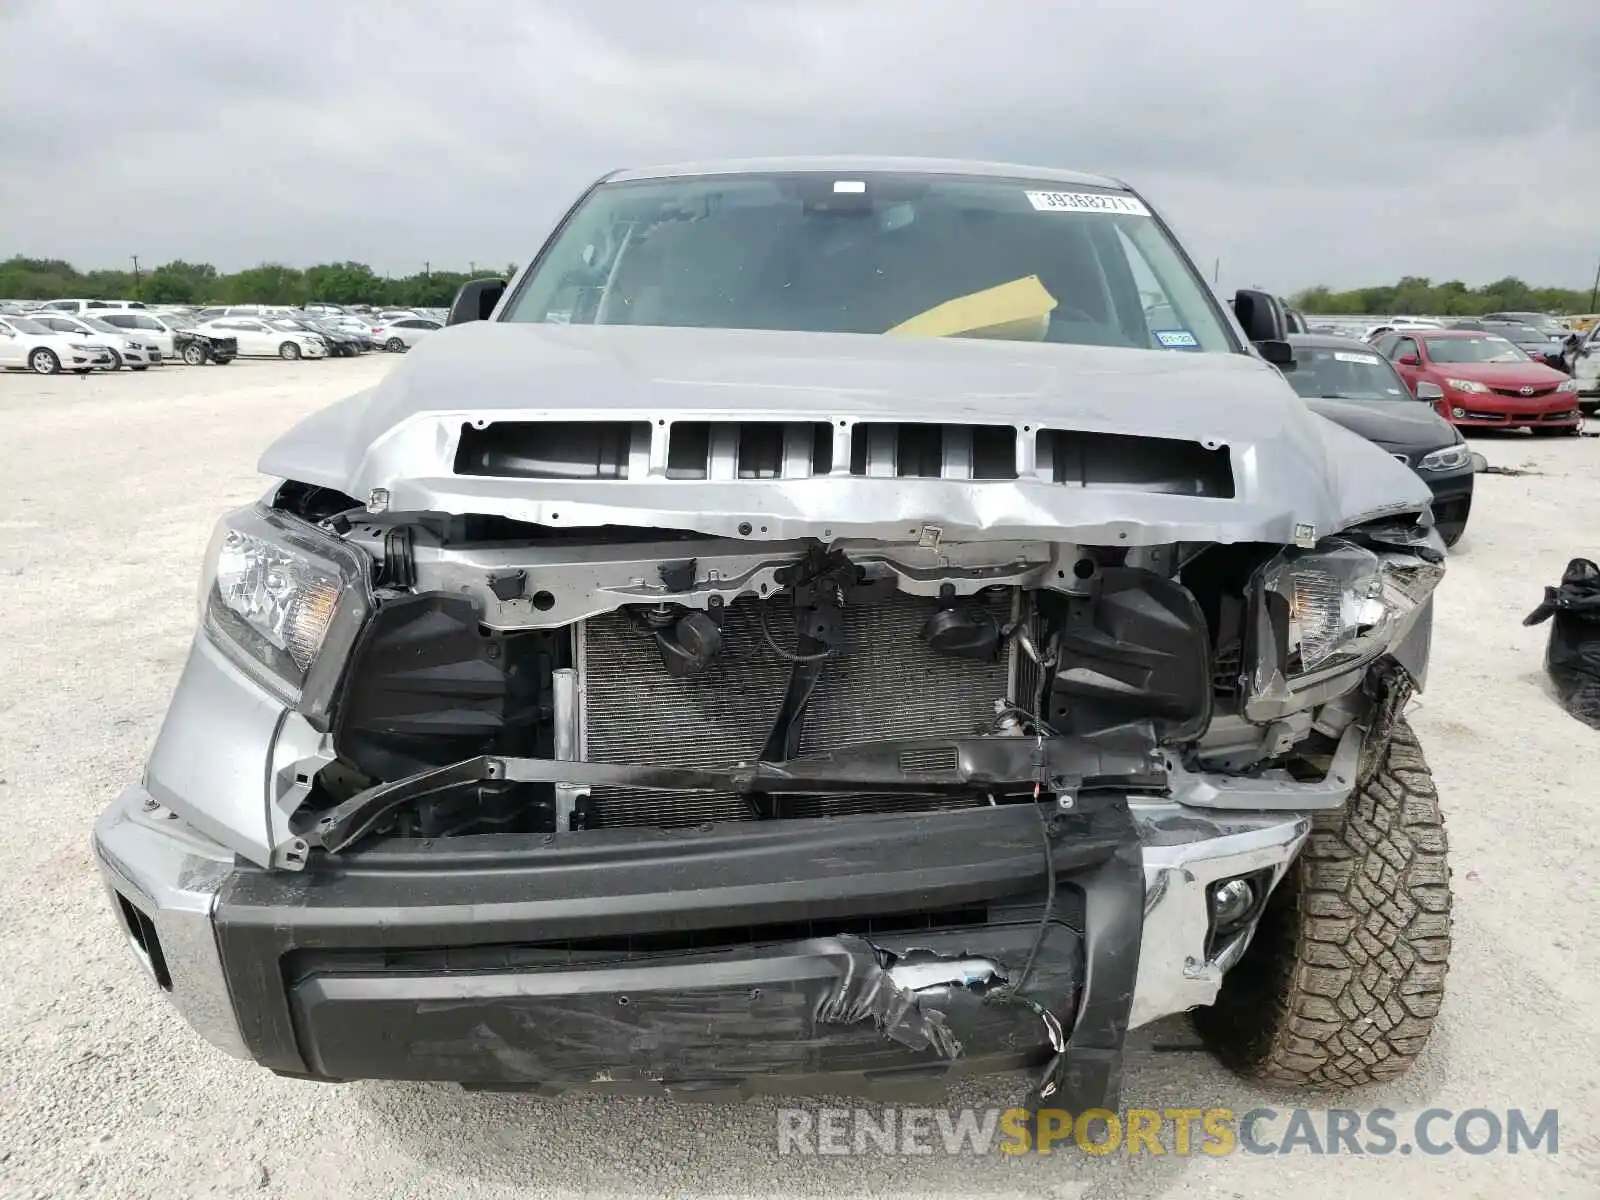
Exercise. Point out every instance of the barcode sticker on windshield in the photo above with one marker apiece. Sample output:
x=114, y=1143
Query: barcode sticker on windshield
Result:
x=1370, y=360
x=1087, y=202
x=1176, y=339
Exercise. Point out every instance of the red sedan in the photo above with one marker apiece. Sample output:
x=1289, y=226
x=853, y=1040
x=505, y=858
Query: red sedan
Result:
x=1479, y=380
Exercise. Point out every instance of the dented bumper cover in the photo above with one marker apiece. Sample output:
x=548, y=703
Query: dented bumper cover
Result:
x=876, y=955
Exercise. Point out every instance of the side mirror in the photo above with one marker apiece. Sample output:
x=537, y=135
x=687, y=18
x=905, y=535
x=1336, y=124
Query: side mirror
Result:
x=475, y=301
x=1409, y=360
x=1261, y=315
x=1429, y=391
x=1277, y=352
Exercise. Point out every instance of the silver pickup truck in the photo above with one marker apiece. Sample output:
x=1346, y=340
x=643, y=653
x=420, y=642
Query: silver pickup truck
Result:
x=812, y=630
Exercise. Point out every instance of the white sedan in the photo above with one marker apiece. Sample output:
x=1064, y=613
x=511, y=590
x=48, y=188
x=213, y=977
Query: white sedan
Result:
x=127, y=348
x=403, y=332
x=27, y=345
x=258, y=339
x=151, y=328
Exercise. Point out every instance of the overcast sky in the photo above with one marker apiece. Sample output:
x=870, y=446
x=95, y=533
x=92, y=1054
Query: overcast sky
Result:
x=1339, y=142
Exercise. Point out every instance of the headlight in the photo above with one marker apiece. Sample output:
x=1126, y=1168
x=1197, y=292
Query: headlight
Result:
x=1567, y=385
x=1340, y=605
x=285, y=602
x=1467, y=385
x=79, y=346
x=1448, y=459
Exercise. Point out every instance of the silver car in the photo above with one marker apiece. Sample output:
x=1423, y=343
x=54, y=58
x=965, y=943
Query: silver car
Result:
x=814, y=634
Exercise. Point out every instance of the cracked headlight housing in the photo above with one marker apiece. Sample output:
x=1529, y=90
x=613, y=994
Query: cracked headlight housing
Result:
x=285, y=602
x=1336, y=608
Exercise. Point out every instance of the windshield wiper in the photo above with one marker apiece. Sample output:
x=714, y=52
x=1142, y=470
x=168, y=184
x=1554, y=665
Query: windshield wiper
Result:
x=912, y=766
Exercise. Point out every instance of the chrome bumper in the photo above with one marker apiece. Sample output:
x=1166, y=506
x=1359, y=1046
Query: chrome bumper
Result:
x=1185, y=851
x=162, y=876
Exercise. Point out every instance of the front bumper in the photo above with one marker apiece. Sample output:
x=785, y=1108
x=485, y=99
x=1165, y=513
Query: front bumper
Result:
x=1452, y=499
x=859, y=955
x=1479, y=412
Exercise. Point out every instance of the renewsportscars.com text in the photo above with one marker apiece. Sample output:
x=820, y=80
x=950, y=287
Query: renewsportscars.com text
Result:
x=1175, y=1131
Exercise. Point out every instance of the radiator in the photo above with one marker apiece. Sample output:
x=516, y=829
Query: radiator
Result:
x=886, y=684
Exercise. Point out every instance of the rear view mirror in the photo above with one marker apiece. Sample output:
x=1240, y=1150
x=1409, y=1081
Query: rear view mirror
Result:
x=1409, y=360
x=475, y=301
x=1261, y=315
x=1429, y=391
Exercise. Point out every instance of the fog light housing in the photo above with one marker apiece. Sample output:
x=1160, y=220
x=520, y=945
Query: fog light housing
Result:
x=1231, y=902
x=1458, y=412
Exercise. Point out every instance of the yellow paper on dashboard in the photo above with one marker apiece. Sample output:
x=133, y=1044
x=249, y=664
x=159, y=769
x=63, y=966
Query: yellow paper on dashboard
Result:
x=1017, y=311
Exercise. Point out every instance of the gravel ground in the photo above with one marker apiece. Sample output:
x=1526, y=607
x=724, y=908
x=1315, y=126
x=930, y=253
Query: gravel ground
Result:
x=111, y=486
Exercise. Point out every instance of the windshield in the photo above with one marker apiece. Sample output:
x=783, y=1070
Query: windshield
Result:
x=1485, y=349
x=874, y=253
x=102, y=326
x=1322, y=373
x=24, y=325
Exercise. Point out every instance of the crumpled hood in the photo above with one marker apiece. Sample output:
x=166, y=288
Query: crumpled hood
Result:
x=1292, y=468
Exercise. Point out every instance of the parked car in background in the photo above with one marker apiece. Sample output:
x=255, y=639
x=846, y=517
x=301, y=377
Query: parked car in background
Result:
x=127, y=349
x=145, y=325
x=404, y=332
x=1377, y=331
x=1349, y=382
x=259, y=339
x=196, y=347
x=1484, y=381
x=1584, y=364
x=1543, y=322
x=352, y=324
x=28, y=345
x=1534, y=342
x=214, y=311
x=83, y=306
x=340, y=343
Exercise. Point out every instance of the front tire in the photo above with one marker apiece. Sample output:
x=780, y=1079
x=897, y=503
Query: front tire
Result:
x=289, y=352
x=116, y=361
x=44, y=362
x=194, y=356
x=394, y=346
x=1344, y=977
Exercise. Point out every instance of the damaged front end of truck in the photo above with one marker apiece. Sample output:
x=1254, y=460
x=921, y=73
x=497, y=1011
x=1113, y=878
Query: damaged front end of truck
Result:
x=835, y=627
x=752, y=798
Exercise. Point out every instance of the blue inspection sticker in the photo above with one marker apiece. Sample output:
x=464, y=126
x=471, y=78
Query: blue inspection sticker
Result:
x=1177, y=339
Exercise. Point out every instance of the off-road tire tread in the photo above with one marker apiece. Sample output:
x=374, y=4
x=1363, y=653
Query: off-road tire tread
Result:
x=1345, y=975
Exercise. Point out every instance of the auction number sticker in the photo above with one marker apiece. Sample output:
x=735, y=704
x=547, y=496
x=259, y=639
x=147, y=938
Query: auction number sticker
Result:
x=1088, y=202
x=1370, y=360
x=1177, y=339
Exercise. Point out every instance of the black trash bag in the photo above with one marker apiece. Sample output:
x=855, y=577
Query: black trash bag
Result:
x=1572, y=659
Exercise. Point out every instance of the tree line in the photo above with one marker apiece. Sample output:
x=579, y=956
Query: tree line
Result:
x=1415, y=295
x=181, y=282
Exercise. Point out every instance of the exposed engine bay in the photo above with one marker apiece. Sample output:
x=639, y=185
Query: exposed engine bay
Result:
x=657, y=651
